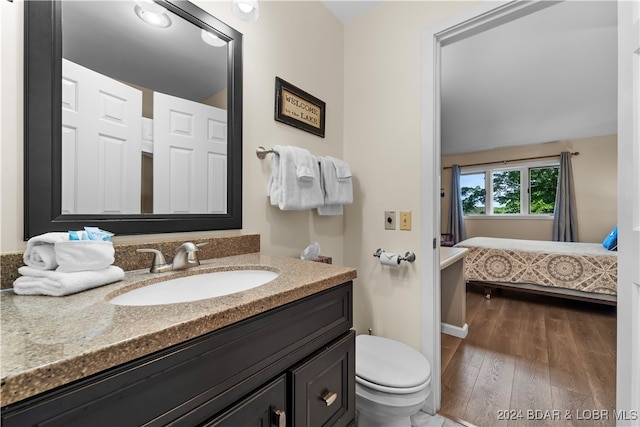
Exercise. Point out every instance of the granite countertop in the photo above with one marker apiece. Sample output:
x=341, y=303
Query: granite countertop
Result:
x=51, y=341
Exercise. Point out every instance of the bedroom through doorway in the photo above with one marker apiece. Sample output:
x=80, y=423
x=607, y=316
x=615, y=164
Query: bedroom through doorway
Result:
x=483, y=126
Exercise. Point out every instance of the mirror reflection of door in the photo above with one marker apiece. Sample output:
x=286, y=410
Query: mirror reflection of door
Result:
x=190, y=156
x=101, y=144
x=122, y=168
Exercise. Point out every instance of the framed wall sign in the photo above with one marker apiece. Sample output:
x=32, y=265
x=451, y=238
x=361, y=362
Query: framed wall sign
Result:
x=298, y=108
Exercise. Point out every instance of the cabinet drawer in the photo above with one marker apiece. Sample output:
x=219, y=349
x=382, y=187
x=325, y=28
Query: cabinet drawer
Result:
x=259, y=409
x=323, y=386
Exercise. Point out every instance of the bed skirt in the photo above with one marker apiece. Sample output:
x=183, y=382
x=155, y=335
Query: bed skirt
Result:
x=581, y=267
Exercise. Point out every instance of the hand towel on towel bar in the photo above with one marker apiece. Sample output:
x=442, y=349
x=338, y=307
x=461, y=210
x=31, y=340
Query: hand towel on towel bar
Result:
x=337, y=186
x=56, y=284
x=295, y=179
x=40, y=253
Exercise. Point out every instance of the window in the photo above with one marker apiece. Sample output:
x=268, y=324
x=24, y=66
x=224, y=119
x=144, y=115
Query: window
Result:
x=506, y=192
x=543, y=183
x=526, y=189
x=473, y=193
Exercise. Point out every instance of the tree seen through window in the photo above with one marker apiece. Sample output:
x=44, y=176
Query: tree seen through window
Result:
x=507, y=186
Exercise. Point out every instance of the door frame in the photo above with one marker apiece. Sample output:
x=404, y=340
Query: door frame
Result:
x=628, y=331
x=433, y=38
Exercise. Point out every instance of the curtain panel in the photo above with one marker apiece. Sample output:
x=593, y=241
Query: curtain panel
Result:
x=455, y=223
x=565, y=215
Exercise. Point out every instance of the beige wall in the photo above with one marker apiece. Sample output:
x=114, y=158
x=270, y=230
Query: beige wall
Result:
x=595, y=181
x=368, y=73
x=307, y=52
x=383, y=145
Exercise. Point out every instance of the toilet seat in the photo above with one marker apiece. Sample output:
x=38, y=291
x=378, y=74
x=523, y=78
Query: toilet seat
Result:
x=392, y=390
x=389, y=366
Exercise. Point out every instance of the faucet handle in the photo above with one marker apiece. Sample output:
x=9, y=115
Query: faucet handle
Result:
x=187, y=247
x=158, y=259
x=193, y=256
x=186, y=256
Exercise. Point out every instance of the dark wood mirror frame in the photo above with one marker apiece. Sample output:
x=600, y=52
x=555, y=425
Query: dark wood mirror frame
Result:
x=43, y=132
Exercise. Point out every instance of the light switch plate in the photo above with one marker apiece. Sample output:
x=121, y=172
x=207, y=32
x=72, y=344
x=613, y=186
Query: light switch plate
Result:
x=405, y=220
x=389, y=220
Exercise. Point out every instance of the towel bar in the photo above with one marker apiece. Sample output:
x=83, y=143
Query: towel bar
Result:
x=262, y=152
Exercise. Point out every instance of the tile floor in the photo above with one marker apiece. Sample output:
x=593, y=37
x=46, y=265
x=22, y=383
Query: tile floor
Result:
x=422, y=419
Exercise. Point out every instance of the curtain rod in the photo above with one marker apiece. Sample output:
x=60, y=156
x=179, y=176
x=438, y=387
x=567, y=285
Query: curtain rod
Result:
x=575, y=153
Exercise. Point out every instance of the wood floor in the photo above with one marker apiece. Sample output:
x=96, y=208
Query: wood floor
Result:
x=531, y=360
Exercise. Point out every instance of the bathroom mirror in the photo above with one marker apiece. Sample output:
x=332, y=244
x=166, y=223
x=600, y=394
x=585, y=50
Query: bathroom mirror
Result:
x=133, y=118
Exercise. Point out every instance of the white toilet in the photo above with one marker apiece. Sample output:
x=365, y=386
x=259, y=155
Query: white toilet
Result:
x=393, y=382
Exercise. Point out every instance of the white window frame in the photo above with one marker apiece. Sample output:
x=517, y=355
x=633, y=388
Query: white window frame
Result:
x=524, y=168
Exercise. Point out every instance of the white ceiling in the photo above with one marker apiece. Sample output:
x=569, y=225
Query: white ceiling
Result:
x=108, y=37
x=548, y=76
x=345, y=11
x=545, y=77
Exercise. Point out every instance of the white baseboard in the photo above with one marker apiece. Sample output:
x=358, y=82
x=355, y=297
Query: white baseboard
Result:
x=455, y=331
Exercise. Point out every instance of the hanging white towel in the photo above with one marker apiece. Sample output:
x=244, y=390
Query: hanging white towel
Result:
x=330, y=210
x=56, y=284
x=83, y=255
x=336, y=181
x=40, y=252
x=273, y=189
x=337, y=186
x=295, y=179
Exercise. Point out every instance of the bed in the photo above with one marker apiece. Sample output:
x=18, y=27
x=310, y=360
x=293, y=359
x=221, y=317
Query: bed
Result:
x=584, y=271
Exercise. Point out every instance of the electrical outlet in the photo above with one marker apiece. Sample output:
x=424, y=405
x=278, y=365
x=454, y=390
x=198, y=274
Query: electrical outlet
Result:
x=389, y=220
x=405, y=221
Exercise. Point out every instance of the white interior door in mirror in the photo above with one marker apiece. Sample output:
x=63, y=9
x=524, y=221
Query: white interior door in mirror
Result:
x=101, y=143
x=189, y=157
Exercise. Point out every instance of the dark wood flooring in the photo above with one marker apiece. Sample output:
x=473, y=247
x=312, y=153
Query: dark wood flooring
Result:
x=531, y=360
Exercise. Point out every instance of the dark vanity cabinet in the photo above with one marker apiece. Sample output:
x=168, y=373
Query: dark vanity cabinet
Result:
x=293, y=365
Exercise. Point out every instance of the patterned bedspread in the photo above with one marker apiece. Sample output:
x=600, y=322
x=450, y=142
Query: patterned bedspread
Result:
x=586, y=267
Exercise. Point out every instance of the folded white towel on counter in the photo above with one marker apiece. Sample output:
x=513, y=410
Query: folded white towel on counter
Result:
x=295, y=179
x=83, y=255
x=40, y=252
x=56, y=284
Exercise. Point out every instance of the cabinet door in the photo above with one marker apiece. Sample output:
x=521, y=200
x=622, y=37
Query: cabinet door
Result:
x=262, y=408
x=323, y=386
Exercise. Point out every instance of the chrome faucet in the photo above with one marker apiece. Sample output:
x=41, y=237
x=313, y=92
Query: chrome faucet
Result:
x=185, y=257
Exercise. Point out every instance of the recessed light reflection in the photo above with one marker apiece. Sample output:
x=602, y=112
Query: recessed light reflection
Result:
x=153, y=14
x=211, y=39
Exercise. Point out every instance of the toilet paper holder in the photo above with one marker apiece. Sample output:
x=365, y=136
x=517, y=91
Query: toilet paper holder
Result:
x=408, y=256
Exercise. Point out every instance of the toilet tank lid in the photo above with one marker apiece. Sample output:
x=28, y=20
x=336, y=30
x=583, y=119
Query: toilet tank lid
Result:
x=390, y=363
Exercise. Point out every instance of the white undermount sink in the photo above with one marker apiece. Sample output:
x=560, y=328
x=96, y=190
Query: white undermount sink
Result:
x=196, y=287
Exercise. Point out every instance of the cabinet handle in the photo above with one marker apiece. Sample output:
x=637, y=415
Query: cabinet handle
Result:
x=279, y=418
x=329, y=397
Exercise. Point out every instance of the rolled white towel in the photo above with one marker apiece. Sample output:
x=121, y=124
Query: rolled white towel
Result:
x=40, y=253
x=43, y=257
x=83, y=255
x=56, y=284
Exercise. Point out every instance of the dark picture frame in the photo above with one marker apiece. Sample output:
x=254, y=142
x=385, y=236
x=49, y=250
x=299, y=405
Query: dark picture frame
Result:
x=299, y=109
